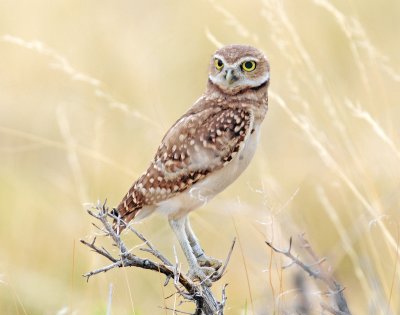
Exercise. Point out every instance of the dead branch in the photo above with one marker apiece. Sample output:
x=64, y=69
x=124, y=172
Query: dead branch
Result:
x=206, y=303
x=317, y=271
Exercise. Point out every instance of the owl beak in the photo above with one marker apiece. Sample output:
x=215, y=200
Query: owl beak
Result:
x=230, y=76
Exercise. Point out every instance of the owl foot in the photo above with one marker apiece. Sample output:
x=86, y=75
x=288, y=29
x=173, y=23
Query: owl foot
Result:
x=203, y=274
x=205, y=261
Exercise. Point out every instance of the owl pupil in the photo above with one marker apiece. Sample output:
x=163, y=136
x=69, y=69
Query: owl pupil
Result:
x=248, y=65
x=219, y=63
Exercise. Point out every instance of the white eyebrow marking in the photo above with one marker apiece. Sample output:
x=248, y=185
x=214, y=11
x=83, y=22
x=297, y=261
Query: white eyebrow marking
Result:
x=237, y=63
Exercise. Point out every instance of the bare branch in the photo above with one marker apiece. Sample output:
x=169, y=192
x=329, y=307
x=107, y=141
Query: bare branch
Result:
x=221, y=271
x=294, y=259
x=157, y=254
x=200, y=294
x=335, y=287
x=224, y=297
x=151, y=249
x=317, y=271
x=102, y=251
x=103, y=269
x=176, y=311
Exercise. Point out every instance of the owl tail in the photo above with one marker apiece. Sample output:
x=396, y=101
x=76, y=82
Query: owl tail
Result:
x=125, y=212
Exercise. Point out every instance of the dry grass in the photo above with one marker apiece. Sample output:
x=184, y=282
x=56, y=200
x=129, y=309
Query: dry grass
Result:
x=89, y=88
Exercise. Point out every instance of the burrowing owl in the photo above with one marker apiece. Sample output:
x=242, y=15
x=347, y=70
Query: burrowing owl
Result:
x=205, y=150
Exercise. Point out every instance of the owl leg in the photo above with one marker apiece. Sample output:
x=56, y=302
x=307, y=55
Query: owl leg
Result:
x=201, y=257
x=195, y=271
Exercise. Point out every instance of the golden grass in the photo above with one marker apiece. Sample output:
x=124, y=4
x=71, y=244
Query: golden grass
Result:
x=89, y=88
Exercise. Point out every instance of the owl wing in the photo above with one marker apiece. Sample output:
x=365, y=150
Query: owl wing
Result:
x=200, y=142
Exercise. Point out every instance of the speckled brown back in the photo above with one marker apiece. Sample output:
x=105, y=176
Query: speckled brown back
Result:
x=208, y=136
x=198, y=143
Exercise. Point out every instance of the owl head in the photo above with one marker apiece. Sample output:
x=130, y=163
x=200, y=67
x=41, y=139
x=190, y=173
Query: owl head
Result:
x=236, y=68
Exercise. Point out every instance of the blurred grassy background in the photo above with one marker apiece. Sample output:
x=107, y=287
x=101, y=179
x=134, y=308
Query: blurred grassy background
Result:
x=88, y=89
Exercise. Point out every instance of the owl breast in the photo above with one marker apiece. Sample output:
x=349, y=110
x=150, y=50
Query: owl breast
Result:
x=204, y=190
x=222, y=178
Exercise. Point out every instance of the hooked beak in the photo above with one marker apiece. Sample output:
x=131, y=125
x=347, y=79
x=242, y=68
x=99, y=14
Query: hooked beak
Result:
x=230, y=76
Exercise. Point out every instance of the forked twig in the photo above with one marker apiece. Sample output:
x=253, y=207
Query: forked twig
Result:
x=316, y=271
x=102, y=251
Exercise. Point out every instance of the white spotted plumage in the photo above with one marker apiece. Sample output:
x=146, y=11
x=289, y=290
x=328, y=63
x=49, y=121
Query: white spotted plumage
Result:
x=206, y=149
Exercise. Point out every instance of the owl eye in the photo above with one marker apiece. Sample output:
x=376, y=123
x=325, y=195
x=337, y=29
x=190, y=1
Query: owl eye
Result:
x=218, y=64
x=248, y=66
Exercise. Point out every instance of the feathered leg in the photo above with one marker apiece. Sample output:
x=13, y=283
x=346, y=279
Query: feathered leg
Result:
x=201, y=257
x=195, y=271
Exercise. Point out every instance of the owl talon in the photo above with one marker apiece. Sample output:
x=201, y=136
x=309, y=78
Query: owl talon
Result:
x=203, y=274
x=205, y=261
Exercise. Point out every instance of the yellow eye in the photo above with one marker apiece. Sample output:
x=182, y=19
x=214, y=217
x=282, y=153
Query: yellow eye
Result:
x=248, y=66
x=218, y=64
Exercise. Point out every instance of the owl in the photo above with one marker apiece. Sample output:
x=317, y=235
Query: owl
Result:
x=204, y=151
